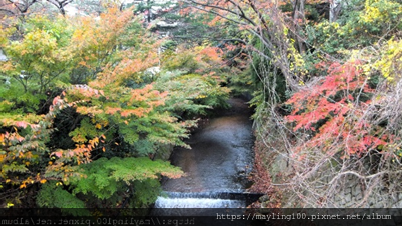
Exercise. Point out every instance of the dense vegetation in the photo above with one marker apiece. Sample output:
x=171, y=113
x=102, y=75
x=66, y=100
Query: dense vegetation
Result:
x=82, y=117
x=87, y=120
x=326, y=88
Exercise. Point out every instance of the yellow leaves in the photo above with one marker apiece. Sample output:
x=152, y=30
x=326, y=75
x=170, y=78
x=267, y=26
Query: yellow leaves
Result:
x=2, y=139
x=89, y=110
x=43, y=181
x=94, y=38
x=25, y=182
x=391, y=62
x=20, y=120
x=79, y=138
x=173, y=175
x=78, y=35
x=7, y=67
x=39, y=42
x=377, y=9
x=94, y=142
x=4, y=33
x=201, y=96
x=372, y=13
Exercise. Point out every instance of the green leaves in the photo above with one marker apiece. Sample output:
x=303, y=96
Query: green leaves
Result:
x=95, y=179
x=192, y=94
x=53, y=195
x=116, y=113
x=104, y=177
x=144, y=147
x=14, y=167
x=146, y=192
x=131, y=169
x=35, y=61
x=85, y=132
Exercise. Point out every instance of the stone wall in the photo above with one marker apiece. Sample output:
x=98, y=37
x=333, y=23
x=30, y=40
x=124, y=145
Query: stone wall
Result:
x=335, y=190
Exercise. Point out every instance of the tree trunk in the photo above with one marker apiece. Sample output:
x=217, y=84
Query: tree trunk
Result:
x=335, y=9
x=298, y=20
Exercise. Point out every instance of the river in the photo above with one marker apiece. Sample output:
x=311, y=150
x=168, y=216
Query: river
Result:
x=216, y=166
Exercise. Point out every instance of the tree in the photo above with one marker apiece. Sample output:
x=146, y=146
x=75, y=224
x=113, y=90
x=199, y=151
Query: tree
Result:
x=22, y=7
x=336, y=127
x=121, y=124
x=331, y=121
x=39, y=54
x=267, y=22
x=334, y=110
x=60, y=4
x=335, y=9
x=42, y=58
x=11, y=6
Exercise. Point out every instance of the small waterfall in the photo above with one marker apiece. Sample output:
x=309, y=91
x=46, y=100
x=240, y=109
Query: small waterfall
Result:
x=162, y=202
x=199, y=200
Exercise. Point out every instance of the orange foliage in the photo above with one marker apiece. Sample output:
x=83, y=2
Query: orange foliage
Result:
x=112, y=111
x=211, y=53
x=94, y=40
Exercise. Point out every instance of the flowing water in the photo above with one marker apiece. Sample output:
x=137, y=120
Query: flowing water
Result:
x=217, y=165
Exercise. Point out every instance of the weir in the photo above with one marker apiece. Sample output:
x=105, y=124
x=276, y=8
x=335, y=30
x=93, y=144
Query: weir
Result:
x=217, y=166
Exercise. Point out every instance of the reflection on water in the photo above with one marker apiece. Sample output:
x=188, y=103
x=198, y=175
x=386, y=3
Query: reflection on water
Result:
x=218, y=163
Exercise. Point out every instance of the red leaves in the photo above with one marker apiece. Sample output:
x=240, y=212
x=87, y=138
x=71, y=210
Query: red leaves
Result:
x=58, y=154
x=81, y=154
x=8, y=138
x=342, y=125
x=22, y=124
x=56, y=100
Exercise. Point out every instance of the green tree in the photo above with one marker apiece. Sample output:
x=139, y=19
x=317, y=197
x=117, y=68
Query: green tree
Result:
x=120, y=119
x=38, y=62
